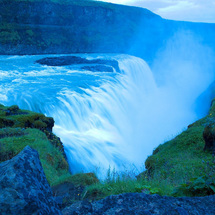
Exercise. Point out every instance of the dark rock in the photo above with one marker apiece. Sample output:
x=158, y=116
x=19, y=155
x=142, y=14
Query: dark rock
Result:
x=23, y=186
x=72, y=189
x=209, y=137
x=73, y=60
x=79, y=208
x=62, y=61
x=66, y=193
x=98, y=68
x=143, y=204
x=6, y=123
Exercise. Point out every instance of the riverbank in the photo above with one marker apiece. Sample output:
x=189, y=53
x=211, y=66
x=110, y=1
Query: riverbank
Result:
x=173, y=169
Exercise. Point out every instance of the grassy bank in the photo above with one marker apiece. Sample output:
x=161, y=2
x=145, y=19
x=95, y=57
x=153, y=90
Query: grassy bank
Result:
x=19, y=128
x=179, y=167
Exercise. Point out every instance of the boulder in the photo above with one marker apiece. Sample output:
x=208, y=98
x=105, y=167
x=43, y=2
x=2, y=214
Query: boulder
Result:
x=98, y=68
x=23, y=186
x=144, y=204
x=74, y=60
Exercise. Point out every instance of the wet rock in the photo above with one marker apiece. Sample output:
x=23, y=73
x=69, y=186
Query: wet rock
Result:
x=74, y=60
x=98, y=68
x=23, y=186
x=143, y=204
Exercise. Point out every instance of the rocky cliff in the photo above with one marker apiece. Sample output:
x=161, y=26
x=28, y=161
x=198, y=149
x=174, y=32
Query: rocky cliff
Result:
x=52, y=26
x=34, y=27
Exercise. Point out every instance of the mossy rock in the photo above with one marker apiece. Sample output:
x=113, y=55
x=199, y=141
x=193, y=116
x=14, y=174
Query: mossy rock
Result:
x=39, y=125
x=19, y=128
x=14, y=117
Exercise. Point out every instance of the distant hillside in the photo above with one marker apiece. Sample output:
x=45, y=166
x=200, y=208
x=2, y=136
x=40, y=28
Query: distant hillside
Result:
x=54, y=26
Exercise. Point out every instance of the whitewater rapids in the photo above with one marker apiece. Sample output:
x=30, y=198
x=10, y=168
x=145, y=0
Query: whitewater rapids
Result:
x=105, y=120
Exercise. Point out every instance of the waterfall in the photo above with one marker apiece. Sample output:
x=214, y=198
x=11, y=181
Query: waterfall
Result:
x=103, y=119
x=96, y=126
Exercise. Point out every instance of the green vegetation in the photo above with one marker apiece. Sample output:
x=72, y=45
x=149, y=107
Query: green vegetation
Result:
x=117, y=185
x=54, y=164
x=179, y=167
x=14, y=117
x=19, y=128
x=64, y=31
x=79, y=179
x=8, y=33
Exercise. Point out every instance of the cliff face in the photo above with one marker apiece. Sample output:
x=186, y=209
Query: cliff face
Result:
x=49, y=27
x=52, y=26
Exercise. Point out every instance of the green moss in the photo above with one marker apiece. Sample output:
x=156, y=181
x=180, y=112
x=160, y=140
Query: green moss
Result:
x=39, y=124
x=11, y=132
x=80, y=179
x=119, y=185
x=8, y=33
x=14, y=117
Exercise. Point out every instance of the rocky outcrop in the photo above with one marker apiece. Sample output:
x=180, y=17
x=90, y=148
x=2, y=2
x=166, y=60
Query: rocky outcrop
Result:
x=36, y=27
x=99, y=65
x=15, y=117
x=23, y=186
x=143, y=204
x=98, y=68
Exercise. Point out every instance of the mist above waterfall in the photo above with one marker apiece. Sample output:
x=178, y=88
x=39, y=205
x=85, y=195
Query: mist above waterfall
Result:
x=185, y=66
x=182, y=70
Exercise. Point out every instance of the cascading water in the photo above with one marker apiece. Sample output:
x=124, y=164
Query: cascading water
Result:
x=104, y=119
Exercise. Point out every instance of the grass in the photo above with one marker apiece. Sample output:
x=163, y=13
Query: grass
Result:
x=19, y=128
x=115, y=184
x=14, y=117
x=54, y=164
x=79, y=179
x=176, y=164
x=106, y=188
